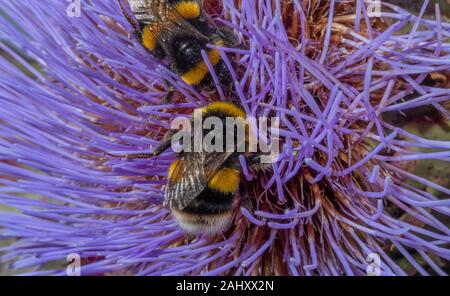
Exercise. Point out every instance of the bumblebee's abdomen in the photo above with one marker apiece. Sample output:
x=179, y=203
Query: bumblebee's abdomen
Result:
x=212, y=210
x=210, y=213
x=210, y=202
x=209, y=224
x=198, y=72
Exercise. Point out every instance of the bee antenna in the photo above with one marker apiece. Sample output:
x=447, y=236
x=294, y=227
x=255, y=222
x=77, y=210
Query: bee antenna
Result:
x=131, y=156
x=128, y=17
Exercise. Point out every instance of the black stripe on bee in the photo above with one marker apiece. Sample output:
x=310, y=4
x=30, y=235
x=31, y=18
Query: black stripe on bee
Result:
x=210, y=202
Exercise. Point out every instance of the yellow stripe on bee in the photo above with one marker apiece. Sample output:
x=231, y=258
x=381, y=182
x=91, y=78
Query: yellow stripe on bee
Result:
x=225, y=180
x=148, y=39
x=173, y=171
x=226, y=108
x=188, y=9
x=196, y=74
x=229, y=109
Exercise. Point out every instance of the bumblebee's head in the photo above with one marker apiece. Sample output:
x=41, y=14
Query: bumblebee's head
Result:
x=223, y=109
x=234, y=122
x=187, y=52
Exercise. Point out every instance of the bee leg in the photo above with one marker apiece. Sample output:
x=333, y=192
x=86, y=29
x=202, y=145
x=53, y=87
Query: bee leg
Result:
x=228, y=36
x=166, y=142
x=255, y=163
x=207, y=82
x=170, y=92
x=169, y=95
x=131, y=156
x=223, y=74
x=163, y=146
x=246, y=202
x=130, y=19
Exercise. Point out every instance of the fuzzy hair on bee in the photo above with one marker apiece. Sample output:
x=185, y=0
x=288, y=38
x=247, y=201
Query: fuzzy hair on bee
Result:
x=179, y=30
x=203, y=187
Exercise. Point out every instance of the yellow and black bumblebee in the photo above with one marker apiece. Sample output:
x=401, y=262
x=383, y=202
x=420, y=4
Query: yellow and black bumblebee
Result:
x=179, y=30
x=203, y=187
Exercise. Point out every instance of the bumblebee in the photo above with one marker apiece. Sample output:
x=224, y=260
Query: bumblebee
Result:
x=178, y=30
x=203, y=187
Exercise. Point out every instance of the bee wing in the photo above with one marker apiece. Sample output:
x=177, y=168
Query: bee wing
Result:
x=165, y=142
x=173, y=27
x=150, y=11
x=190, y=177
x=213, y=161
x=163, y=21
x=187, y=180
